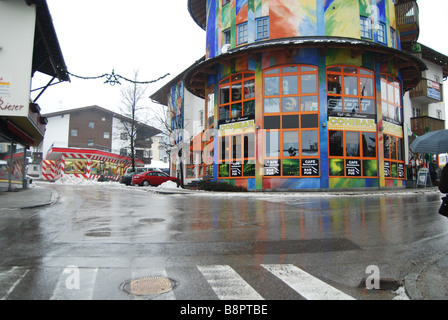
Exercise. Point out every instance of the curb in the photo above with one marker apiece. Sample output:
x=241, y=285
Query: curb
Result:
x=410, y=281
x=54, y=198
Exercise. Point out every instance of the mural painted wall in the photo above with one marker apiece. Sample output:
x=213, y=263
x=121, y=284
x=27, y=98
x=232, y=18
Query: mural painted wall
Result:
x=176, y=107
x=241, y=22
x=328, y=171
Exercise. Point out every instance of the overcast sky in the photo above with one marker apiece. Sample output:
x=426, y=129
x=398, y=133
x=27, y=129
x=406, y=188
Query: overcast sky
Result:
x=153, y=37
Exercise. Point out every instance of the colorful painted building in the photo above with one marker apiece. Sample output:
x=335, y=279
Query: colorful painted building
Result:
x=300, y=94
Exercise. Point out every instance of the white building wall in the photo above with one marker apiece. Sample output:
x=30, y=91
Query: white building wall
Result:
x=16, y=54
x=117, y=142
x=194, y=109
x=57, y=133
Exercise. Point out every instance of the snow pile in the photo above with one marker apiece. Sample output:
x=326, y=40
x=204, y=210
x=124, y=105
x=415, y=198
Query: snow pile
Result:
x=168, y=185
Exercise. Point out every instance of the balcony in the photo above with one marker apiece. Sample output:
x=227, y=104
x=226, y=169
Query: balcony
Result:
x=421, y=125
x=427, y=92
x=407, y=15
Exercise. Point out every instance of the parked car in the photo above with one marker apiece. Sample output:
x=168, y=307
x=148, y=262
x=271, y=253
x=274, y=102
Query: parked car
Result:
x=127, y=177
x=153, y=178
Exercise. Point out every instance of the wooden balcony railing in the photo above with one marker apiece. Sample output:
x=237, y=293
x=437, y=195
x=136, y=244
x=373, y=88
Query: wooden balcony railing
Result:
x=421, y=125
x=407, y=16
x=427, y=91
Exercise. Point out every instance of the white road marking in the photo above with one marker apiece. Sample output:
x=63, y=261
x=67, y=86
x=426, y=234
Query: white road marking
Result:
x=10, y=279
x=228, y=284
x=67, y=286
x=305, y=284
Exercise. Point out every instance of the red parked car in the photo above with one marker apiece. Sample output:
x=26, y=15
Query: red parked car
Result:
x=153, y=178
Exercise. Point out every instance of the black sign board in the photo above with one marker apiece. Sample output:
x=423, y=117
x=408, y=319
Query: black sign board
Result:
x=235, y=169
x=310, y=167
x=353, y=167
x=387, y=169
x=272, y=167
x=401, y=170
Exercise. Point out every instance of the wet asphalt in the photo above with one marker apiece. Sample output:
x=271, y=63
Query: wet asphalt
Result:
x=107, y=229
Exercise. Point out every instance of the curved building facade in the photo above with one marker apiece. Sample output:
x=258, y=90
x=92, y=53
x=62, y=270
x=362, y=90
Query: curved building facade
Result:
x=304, y=94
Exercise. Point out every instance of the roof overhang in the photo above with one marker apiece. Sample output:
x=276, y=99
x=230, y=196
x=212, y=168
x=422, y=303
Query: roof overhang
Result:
x=198, y=11
x=431, y=55
x=56, y=153
x=47, y=55
x=410, y=65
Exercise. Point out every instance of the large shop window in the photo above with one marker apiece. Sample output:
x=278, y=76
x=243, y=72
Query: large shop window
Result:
x=391, y=99
x=393, y=157
x=237, y=113
x=351, y=122
x=237, y=97
x=352, y=154
x=291, y=121
x=237, y=156
x=350, y=90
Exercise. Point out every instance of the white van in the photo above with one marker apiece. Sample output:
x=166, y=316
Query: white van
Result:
x=137, y=170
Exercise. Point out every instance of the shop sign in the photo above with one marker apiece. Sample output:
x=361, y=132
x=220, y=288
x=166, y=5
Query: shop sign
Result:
x=272, y=167
x=310, y=167
x=353, y=122
x=434, y=94
x=401, y=170
x=353, y=167
x=5, y=86
x=6, y=106
x=236, y=169
x=387, y=169
x=432, y=84
x=393, y=129
x=236, y=127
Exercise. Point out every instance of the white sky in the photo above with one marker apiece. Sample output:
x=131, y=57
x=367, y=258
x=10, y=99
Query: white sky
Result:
x=153, y=37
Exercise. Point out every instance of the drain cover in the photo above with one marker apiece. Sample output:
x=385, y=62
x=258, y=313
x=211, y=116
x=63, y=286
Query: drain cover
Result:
x=149, y=286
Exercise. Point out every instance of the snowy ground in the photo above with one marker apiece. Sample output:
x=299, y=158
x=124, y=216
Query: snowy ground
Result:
x=170, y=187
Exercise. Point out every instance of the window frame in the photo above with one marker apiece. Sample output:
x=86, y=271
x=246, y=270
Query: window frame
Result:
x=382, y=33
x=244, y=159
x=291, y=165
x=263, y=26
x=346, y=159
x=388, y=83
x=242, y=31
x=232, y=81
x=226, y=37
x=345, y=98
x=366, y=30
x=393, y=38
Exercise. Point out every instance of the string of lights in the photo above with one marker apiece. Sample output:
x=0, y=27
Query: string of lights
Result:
x=114, y=78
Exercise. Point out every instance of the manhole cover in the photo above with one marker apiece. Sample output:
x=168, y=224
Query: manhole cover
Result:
x=149, y=286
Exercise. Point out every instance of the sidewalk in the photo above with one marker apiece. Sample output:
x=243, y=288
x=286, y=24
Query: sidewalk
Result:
x=33, y=197
x=419, y=284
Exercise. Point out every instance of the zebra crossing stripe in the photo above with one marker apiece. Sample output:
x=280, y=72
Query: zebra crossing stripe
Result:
x=10, y=279
x=75, y=284
x=305, y=284
x=228, y=284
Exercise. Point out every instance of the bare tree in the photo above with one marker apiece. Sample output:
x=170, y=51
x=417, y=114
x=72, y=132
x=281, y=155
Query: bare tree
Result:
x=131, y=108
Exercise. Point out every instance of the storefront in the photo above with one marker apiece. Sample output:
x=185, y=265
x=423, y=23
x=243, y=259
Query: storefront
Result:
x=84, y=164
x=301, y=96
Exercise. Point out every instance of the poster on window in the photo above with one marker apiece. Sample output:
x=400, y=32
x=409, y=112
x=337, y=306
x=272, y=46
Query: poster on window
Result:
x=353, y=168
x=310, y=167
x=387, y=169
x=401, y=170
x=272, y=167
x=236, y=169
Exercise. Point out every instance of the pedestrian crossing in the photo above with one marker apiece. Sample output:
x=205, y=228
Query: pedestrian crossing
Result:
x=202, y=282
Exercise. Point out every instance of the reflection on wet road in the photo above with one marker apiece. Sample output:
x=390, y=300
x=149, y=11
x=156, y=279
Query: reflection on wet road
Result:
x=113, y=232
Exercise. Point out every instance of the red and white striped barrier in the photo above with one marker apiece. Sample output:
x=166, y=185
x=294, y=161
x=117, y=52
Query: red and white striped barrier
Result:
x=85, y=168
